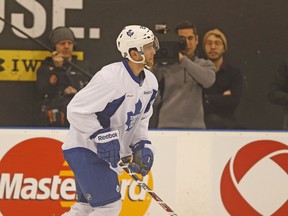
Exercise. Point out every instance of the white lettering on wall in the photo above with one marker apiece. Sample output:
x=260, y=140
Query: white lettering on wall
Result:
x=2, y=14
x=39, y=14
x=59, y=8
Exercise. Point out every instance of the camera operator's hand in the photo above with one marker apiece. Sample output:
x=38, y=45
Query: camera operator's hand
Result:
x=70, y=90
x=180, y=56
x=57, y=59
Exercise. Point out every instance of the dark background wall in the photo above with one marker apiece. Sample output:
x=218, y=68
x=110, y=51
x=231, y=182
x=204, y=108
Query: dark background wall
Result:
x=256, y=31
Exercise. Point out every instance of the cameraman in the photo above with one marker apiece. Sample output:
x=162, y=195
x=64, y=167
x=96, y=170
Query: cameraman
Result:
x=180, y=84
x=57, y=81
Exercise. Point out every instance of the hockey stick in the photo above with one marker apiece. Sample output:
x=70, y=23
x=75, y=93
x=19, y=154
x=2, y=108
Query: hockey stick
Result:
x=47, y=47
x=141, y=184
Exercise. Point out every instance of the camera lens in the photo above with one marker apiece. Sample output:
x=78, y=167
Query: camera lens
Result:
x=168, y=52
x=182, y=43
x=164, y=52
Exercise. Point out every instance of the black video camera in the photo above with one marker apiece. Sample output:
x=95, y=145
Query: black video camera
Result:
x=169, y=49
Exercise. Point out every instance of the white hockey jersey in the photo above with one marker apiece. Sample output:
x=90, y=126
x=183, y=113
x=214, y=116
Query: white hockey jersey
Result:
x=114, y=98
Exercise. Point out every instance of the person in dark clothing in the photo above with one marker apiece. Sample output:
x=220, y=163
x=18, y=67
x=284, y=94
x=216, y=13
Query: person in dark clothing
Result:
x=278, y=91
x=57, y=81
x=222, y=98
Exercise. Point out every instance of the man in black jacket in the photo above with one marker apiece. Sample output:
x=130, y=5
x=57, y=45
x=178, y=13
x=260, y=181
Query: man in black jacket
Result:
x=57, y=80
x=222, y=98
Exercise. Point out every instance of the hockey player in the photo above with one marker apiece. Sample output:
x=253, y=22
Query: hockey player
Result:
x=108, y=121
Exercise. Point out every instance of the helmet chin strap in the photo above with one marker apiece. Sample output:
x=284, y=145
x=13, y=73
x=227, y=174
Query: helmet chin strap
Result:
x=143, y=61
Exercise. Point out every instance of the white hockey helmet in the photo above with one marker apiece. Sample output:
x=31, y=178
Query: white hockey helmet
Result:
x=135, y=36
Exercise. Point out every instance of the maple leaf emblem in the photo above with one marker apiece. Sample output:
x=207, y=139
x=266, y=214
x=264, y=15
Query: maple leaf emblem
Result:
x=133, y=116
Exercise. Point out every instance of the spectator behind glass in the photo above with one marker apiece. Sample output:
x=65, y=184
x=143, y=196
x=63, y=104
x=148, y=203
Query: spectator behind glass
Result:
x=223, y=97
x=57, y=80
x=180, y=84
x=278, y=92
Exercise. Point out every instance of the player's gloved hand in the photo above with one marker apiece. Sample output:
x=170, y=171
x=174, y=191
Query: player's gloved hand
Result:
x=143, y=157
x=107, y=145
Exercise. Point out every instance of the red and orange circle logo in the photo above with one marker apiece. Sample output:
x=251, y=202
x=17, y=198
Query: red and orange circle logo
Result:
x=31, y=179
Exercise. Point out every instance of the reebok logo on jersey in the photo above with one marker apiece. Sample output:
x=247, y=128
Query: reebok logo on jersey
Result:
x=147, y=92
x=107, y=137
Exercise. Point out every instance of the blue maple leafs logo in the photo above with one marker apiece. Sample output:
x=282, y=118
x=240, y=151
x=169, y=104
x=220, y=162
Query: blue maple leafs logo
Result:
x=130, y=32
x=132, y=117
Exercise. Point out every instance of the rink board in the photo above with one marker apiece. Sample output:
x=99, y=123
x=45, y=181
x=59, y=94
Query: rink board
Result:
x=195, y=173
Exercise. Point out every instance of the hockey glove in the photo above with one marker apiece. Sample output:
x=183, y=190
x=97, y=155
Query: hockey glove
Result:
x=107, y=145
x=143, y=157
